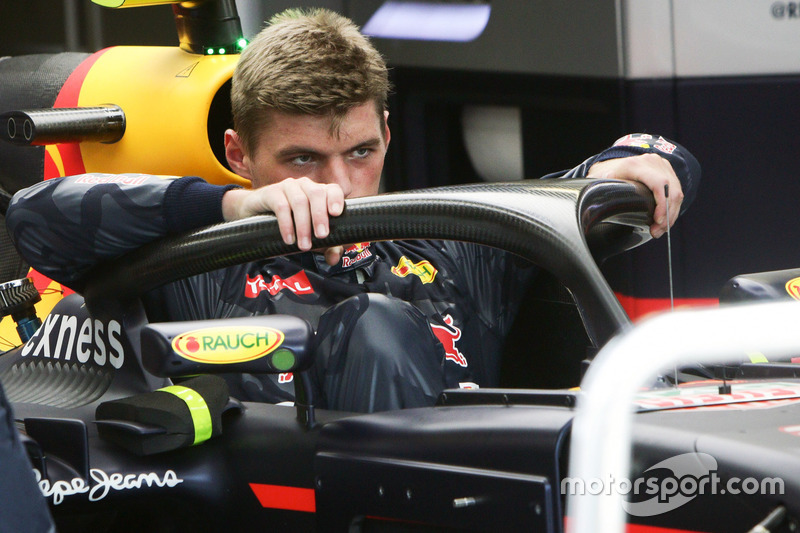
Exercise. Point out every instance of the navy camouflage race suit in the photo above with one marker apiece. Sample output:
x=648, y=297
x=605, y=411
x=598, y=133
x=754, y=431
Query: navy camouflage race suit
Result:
x=397, y=322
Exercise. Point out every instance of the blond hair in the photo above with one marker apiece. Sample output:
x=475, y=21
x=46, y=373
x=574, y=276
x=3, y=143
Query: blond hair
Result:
x=306, y=62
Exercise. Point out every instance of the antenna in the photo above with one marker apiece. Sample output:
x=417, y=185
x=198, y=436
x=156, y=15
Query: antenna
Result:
x=669, y=263
x=669, y=250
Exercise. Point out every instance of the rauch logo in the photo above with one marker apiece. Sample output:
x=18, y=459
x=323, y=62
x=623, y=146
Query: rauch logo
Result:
x=225, y=345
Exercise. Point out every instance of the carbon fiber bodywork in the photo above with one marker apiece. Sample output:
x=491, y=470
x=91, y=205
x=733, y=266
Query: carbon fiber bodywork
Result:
x=30, y=82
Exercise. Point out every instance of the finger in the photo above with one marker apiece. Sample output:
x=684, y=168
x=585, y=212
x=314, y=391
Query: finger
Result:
x=278, y=203
x=333, y=255
x=659, y=225
x=318, y=207
x=660, y=212
x=674, y=211
x=299, y=203
x=675, y=202
x=335, y=200
x=675, y=192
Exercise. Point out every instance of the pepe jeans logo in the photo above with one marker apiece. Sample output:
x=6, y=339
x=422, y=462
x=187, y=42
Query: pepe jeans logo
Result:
x=225, y=345
x=670, y=484
x=103, y=484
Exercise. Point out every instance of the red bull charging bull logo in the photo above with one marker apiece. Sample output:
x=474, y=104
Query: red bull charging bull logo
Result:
x=357, y=247
x=448, y=336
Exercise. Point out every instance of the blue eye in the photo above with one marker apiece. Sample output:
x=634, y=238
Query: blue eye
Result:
x=301, y=159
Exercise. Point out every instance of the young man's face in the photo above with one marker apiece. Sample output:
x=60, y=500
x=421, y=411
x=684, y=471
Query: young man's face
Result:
x=295, y=146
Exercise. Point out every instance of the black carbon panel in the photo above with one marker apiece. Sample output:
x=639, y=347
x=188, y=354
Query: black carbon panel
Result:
x=11, y=264
x=30, y=82
x=54, y=383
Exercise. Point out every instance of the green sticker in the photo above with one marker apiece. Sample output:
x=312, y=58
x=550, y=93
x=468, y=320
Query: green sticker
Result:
x=201, y=415
x=283, y=360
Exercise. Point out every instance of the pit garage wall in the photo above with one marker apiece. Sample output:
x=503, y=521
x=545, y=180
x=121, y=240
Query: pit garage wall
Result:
x=732, y=90
x=722, y=77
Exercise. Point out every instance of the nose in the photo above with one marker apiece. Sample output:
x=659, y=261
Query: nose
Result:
x=338, y=171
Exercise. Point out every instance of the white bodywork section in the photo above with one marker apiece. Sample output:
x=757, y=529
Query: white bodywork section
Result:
x=601, y=432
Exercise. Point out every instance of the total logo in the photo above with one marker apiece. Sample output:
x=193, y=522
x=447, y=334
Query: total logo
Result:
x=297, y=283
x=226, y=345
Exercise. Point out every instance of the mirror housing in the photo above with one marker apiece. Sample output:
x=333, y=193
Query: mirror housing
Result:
x=258, y=345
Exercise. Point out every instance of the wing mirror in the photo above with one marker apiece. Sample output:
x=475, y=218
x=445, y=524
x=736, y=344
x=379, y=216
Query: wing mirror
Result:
x=256, y=345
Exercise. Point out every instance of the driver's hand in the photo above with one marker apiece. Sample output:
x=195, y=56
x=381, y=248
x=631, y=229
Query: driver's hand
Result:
x=302, y=207
x=654, y=172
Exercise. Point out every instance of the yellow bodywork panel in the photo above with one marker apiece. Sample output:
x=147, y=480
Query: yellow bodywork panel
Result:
x=166, y=95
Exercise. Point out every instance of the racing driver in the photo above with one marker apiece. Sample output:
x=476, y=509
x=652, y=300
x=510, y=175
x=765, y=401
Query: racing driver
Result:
x=397, y=322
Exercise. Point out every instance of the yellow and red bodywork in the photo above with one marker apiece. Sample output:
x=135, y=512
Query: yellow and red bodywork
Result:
x=166, y=94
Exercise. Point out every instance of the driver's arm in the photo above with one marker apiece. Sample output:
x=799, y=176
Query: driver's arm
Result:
x=63, y=227
x=653, y=161
x=656, y=173
x=301, y=206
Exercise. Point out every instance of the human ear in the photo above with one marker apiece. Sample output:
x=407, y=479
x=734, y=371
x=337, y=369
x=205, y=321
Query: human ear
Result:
x=387, y=135
x=236, y=154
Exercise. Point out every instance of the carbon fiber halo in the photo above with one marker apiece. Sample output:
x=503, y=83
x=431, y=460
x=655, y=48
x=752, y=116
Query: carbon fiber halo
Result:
x=548, y=222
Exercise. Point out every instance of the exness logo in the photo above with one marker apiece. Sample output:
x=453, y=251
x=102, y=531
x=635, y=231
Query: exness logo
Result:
x=670, y=484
